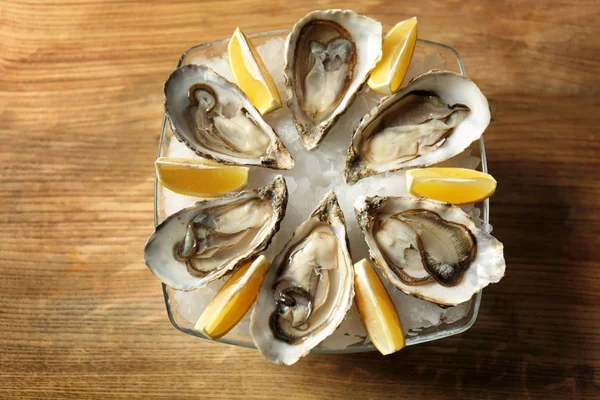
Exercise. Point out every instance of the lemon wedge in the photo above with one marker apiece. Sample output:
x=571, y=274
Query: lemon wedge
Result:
x=199, y=177
x=398, y=47
x=250, y=74
x=233, y=300
x=376, y=309
x=452, y=185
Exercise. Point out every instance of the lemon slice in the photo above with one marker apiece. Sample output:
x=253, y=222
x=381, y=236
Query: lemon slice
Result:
x=199, y=177
x=452, y=185
x=376, y=309
x=234, y=299
x=398, y=48
x=250, y=74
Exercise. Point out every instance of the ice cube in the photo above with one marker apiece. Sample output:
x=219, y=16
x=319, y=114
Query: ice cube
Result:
x=351, y=331
x=291, y=184
x=178, y=149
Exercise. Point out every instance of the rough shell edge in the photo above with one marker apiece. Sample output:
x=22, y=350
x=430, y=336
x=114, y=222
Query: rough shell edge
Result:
x=269, y=161
x=356, y=169
x=277, y=189
x=321, y=131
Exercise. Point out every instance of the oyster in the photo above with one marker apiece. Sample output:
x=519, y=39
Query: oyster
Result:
x=214, y=118
x=308, y=290
x=206, y=241
x=328, y=57
x=429, y=249
x=435, y=117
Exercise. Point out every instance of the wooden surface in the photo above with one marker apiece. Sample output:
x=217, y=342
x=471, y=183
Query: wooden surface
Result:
x=81, y=106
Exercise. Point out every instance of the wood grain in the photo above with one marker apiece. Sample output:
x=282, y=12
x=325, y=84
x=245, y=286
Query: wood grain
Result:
x=80, y=103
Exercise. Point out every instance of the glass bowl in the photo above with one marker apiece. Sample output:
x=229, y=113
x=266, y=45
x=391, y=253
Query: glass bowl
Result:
x=433, y=56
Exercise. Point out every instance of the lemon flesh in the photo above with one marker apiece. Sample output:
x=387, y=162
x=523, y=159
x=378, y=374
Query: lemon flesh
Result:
x=233, y=300
x=451, y=185
x=250, y=74
x=376, y=309
x=398, y=47
x=199, y=177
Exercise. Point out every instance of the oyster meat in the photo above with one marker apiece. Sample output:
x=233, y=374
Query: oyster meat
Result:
x=429, y=249
x=308, y=290
x=437, y=116
x=328, y=57
x=214, y=118
x=206, y=241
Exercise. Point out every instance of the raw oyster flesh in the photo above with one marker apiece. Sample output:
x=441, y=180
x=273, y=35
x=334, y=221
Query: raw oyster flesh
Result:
x=429, y=249
x=308, y=290
x=208, y=240
x=214, y=118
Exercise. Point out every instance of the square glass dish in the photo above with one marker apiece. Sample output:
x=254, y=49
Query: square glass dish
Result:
x=429, y=55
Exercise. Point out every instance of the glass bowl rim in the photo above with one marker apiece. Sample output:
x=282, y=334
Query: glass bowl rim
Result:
x=410, y=340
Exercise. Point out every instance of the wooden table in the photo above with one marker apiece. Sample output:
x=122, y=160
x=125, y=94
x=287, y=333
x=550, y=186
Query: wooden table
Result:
x=81, y=106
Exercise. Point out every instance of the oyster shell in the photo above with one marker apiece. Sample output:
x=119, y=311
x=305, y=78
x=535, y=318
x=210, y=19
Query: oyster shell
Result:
x=214, y=118
x=435, y=117
x=308, y=290
x=206, y=241
x=328, y=57
x=429, y=249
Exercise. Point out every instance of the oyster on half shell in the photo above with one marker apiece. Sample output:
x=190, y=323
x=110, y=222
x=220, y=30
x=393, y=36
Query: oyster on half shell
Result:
x=203, y=242
x=328, y=57
x=308, y=290
x=215, y=119
x=435, y=117
x=429, y=249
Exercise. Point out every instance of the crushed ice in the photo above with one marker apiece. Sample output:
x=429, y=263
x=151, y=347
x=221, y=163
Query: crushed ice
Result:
x=316, y=173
